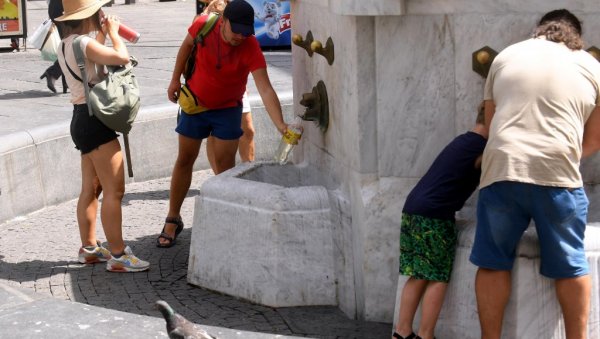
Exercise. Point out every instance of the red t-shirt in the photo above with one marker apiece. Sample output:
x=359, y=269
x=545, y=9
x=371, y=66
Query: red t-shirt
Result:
x=222, y=87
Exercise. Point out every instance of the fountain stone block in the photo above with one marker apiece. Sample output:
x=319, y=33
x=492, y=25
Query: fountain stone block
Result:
x=262, y=232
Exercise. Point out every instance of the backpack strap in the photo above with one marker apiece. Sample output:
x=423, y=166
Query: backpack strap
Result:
x=68, y=67
x=81, y=64
x=127, y=154
x=206, y=28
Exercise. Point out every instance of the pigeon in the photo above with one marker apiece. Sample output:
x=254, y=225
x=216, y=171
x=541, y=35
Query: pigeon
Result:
x=179, y=327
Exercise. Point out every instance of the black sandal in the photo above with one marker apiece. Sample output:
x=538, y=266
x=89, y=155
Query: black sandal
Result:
x=398, y=336
x=170, y=220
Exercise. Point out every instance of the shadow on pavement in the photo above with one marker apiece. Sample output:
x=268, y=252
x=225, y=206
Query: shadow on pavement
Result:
x=30, y=94
x=153, y=195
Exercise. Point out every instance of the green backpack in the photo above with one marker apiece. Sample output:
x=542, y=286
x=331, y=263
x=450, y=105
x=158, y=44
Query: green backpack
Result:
x=115, y=100
x=190, y=64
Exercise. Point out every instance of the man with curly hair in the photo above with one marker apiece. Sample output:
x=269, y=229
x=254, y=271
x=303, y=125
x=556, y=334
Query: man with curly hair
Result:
x=538, y=97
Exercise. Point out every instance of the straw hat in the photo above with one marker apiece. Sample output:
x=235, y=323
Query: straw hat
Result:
x=80, y=9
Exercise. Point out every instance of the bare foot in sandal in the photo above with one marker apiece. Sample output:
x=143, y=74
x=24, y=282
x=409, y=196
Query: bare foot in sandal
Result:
x=168, y=236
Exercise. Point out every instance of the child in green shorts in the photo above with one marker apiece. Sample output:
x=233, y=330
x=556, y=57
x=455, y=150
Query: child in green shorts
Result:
x=428, y=233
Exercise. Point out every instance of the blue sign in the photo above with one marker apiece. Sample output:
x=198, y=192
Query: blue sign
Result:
x=272, y=22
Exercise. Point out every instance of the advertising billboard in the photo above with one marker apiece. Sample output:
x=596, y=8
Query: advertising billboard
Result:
x=272, y=22
x=12, y=18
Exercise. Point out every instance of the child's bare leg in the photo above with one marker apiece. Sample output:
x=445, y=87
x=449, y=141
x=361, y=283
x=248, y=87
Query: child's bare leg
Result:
x=430, y=308
x=409, y=301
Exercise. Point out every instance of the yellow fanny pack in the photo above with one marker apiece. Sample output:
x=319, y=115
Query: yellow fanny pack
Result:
x=188, y=101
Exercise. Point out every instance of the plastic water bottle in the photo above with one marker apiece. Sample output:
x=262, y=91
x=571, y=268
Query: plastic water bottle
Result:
x=288, y=141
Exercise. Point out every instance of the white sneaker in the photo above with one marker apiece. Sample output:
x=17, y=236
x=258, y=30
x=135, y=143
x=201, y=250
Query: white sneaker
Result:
x=128, y=262
x=98, y=254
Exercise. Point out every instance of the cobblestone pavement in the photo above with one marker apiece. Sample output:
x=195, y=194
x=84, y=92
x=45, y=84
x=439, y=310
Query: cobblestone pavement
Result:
x=39, y=252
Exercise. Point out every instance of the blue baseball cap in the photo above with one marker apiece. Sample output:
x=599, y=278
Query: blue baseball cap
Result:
x=241, y=16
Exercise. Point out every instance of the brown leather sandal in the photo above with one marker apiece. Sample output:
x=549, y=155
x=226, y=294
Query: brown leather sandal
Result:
x=170, y=220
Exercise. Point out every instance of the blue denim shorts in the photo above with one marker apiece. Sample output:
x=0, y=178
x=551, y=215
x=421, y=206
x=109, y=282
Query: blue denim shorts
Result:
x=223, y=123
x=504, y=211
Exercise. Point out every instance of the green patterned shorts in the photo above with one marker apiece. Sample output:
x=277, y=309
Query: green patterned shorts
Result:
x=427, y=247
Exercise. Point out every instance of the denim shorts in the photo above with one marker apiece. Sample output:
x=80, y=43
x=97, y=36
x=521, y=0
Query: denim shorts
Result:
x=504, y=211
x=223, y=123
x=87, y=132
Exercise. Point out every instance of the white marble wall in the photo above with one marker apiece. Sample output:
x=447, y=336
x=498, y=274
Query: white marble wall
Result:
x=400, y=88
x=371, y=7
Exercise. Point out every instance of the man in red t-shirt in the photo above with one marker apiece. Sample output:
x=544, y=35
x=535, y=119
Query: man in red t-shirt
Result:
x=230, y=52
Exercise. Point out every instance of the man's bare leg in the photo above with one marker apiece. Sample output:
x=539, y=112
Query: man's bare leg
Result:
x=246, y=147
x=181, y=180
x=574, y=298
x=492, y=289
x=246, y=143
x=224, y=154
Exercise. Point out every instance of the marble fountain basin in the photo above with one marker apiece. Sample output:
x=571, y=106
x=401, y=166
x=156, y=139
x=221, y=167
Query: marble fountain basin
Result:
x=263, y=232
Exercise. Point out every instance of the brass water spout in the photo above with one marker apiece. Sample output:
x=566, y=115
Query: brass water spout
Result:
x=304, y=43
x=327, y=51
x=482, y=60
x=317, y=106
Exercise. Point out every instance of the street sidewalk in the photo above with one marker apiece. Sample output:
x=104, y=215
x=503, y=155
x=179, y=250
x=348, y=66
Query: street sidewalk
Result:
x=45, y=292
x=38, y=253
x=26, y=102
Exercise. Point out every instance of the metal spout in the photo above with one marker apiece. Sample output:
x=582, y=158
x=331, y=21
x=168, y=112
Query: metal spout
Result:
x=304, y=43
x=482, y=60
x=317, y=106
x=327, y=51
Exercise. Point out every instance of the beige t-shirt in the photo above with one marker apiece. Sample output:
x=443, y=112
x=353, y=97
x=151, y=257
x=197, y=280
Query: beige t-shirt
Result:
x=544, y=94
x=76, y=86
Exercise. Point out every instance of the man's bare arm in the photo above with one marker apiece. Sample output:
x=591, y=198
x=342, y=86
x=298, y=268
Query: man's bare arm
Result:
x=591, y=134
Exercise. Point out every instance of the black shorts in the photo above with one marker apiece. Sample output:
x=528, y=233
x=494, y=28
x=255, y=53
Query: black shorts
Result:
x=87, y=132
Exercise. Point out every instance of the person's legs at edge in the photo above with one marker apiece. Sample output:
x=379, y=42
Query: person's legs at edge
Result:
x=108, y=163
x=492, y=289
x=433, y=299
x=246, y=147
x=574, y=298
x=52, y=74
x=87, y=204
x=409, y=301
x=181, y=179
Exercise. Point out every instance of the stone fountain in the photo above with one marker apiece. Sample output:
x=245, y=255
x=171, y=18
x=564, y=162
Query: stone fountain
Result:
x=400, y=83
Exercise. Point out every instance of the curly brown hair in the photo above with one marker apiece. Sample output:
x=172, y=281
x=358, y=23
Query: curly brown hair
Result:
x=561, y=26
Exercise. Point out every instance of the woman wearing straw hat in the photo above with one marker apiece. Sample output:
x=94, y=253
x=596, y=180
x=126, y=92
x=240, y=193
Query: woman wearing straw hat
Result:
x=101, y=157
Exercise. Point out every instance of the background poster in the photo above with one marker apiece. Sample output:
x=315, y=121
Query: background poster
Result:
x=12, y=18
x=272, y=22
